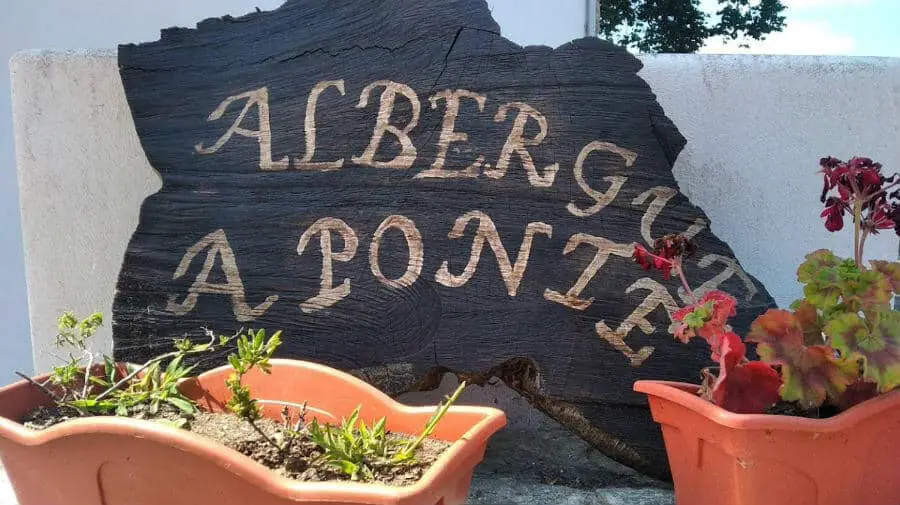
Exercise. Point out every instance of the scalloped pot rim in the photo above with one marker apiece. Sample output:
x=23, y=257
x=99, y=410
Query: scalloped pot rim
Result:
x=684, y=394
x=256, y=473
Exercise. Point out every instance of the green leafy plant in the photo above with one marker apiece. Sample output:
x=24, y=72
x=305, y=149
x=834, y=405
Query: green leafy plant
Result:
x=356, y=449
x=839, y=345
x=118, y=389
x=353, y=447
x=254, y=350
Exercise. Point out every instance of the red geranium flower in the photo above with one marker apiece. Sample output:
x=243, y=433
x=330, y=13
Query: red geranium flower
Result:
x=834, y=213
x=880, y=217
x=669, y=250
x=648, y=260
x=867, y=173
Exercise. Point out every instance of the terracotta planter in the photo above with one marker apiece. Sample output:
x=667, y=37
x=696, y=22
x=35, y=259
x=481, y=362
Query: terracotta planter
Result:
x=96, y=461
x=721, y=458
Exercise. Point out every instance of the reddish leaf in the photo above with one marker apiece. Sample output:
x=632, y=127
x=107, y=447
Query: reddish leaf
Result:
x=808, y=318
x=743, y=387
x=890, y=270
x=868, y=290
x=706, y=319
x=811, y=374
x=856, y=393
x=648, y=260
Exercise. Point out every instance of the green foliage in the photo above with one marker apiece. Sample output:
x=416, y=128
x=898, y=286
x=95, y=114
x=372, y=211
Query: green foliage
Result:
x=75, y=333
x=835, y=285
x=241, y=401
x=698, y=317
x=353, y=447
x=873, y=340
x=357, y=449
x=842, y=332
x=154, y=387
x=853, y=311
x=681, y=26
x=119, y=390
x=253, y=351
x=67, y=374
x=810, y=374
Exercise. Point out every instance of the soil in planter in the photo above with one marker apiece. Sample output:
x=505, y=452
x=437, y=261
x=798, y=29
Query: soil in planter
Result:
x=794, y=410
x=300, y=462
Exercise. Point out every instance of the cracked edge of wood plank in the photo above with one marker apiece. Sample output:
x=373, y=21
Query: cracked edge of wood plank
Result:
x=523, y=376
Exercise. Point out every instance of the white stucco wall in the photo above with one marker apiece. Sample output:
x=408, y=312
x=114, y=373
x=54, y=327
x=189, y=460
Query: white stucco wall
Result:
x=756, y=127
x=103, y=24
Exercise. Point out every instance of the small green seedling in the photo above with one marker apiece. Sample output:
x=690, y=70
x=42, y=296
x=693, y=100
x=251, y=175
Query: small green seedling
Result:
x=353, y=447
x=253, y=351
x=357, y=449
x=409, y=450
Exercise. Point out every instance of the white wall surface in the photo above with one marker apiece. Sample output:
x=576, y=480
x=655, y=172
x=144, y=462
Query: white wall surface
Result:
x=60, y=24
x=756, y=128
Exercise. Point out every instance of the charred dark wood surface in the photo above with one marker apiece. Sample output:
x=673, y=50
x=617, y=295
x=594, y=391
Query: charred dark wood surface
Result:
x=504, y=252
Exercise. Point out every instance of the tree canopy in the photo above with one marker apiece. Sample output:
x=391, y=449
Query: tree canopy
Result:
x=683, y=26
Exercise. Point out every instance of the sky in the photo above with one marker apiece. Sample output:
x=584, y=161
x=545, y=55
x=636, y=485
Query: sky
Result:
x=833, y=27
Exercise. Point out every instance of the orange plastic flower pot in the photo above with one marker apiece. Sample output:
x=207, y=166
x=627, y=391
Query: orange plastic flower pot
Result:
x=121, y=461
x=721, y=458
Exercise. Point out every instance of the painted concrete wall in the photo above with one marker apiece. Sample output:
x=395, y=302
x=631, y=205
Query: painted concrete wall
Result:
x=756, y=127
x=103, y=24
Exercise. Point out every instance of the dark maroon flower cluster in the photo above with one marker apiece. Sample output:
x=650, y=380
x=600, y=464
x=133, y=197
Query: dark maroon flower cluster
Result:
x=668, y=252
x=674, y=245
x=858, y=188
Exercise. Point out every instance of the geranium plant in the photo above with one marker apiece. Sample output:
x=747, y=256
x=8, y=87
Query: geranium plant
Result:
x=839, y=344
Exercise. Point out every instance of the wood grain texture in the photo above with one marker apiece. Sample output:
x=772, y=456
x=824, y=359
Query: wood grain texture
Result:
x=502, y=200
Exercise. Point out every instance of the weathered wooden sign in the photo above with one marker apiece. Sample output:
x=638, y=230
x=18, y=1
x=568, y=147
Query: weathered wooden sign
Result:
x=405, y=192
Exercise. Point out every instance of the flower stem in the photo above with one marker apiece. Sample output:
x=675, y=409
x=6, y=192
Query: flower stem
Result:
x=264, y=436
x=684, y=283
x=87, y=375
x=409, y=449
x=862, y=245
x=857, y=214
x=148, y=364
x=40, y=386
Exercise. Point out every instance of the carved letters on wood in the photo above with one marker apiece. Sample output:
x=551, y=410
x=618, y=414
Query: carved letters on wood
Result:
x=403, y=191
